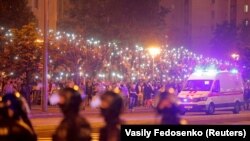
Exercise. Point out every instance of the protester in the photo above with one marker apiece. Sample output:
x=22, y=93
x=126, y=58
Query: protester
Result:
x=25, y=91
x=148, y=90
x=132, y=98
x=9, y=88
x=111, y=109
x=89, y=92
x=139, y=98
x=246, y=97
x=125, y=94
x=73, y=127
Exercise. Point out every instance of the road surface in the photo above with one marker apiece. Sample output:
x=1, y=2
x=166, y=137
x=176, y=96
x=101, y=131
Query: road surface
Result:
x=46, y=126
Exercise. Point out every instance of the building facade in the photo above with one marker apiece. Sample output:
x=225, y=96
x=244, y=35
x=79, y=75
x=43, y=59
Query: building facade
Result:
x=37, y=6
x=192, y=22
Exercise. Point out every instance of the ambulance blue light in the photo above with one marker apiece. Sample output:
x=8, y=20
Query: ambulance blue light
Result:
x=211, y=72
x=205, y=72
x=198, y=72
x=234, y=71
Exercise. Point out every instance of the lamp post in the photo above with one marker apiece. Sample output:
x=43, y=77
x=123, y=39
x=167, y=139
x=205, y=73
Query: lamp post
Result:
x=235, y=56
x=154, y=51
x=45, y=59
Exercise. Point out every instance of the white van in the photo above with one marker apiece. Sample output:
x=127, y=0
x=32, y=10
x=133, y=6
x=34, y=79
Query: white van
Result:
x=210, y=91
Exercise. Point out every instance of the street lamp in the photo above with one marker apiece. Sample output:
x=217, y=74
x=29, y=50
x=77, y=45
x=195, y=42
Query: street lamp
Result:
x=235, y=56
x=45, y=58
x=154, y=51
x=39, y=41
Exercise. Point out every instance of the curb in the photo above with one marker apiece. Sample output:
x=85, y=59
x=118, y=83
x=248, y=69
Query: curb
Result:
x=58, y=114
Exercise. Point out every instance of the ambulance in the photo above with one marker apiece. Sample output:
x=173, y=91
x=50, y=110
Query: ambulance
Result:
x=212, y=90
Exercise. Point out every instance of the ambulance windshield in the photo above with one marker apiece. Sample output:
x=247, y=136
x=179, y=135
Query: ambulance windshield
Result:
x=198, y=85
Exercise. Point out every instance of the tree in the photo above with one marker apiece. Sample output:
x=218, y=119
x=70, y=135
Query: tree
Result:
x=224, y=40
x=21, y=53
x=123, y=20
x=15, y=13
x=244, y=47
x=71, y=56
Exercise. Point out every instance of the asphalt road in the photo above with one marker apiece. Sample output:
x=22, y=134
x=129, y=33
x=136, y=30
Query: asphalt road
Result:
x=46, y=126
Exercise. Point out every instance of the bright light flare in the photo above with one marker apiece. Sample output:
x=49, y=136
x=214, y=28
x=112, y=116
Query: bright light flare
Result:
x=211, y=72
x=39, y=41
x=154, y=51
x=234, y=71
x=235, y=56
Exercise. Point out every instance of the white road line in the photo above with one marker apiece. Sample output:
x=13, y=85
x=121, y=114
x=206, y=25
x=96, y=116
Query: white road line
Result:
x=44, y=139
x=95, y=137
x=246, y=122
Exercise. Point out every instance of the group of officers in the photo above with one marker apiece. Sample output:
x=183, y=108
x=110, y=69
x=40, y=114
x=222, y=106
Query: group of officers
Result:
x=16, y=126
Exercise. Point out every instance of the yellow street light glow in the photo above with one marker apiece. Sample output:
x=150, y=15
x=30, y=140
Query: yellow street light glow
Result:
x=183, y=122
x=39, y=41
x=154, y=51
x=17, y=94
x=76, y=88
x=235, y=56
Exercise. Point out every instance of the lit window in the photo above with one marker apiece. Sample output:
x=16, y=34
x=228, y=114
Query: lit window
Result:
x=246, y=8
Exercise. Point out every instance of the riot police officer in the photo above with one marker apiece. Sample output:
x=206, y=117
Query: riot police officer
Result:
x=111, y=109
x=14, y=122
x=72, y=127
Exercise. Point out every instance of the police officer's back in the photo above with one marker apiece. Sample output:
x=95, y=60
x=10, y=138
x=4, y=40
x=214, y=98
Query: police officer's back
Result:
x=13, y=125
x=111, y=109
x=72, y=127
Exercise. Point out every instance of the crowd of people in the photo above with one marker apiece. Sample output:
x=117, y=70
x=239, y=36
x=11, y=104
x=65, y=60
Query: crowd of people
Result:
x=113, y=100
x=140, y=93
x=72, y=56
x=134, y=94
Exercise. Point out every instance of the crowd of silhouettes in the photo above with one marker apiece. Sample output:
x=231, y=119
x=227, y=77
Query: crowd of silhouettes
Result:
x=16, y=126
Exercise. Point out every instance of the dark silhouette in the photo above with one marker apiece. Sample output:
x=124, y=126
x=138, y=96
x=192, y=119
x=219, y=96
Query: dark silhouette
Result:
x=111, y=109
x=168, y=109
x=73, y=127
x=14, y=121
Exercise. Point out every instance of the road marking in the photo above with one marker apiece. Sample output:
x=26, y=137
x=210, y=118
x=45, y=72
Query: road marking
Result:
x=44, y=139
x=244, y=122
x=95, y=137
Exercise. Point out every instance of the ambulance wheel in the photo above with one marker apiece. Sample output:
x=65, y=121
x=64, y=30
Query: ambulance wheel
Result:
x=210, y=109
x=236, y=108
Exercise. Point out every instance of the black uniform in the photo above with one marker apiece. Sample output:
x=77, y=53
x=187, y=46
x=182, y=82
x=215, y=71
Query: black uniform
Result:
x=168, y=110
x=246, y=98
x=111, y=110
x=16, y=127
x=11, y=130
x=73, y=127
